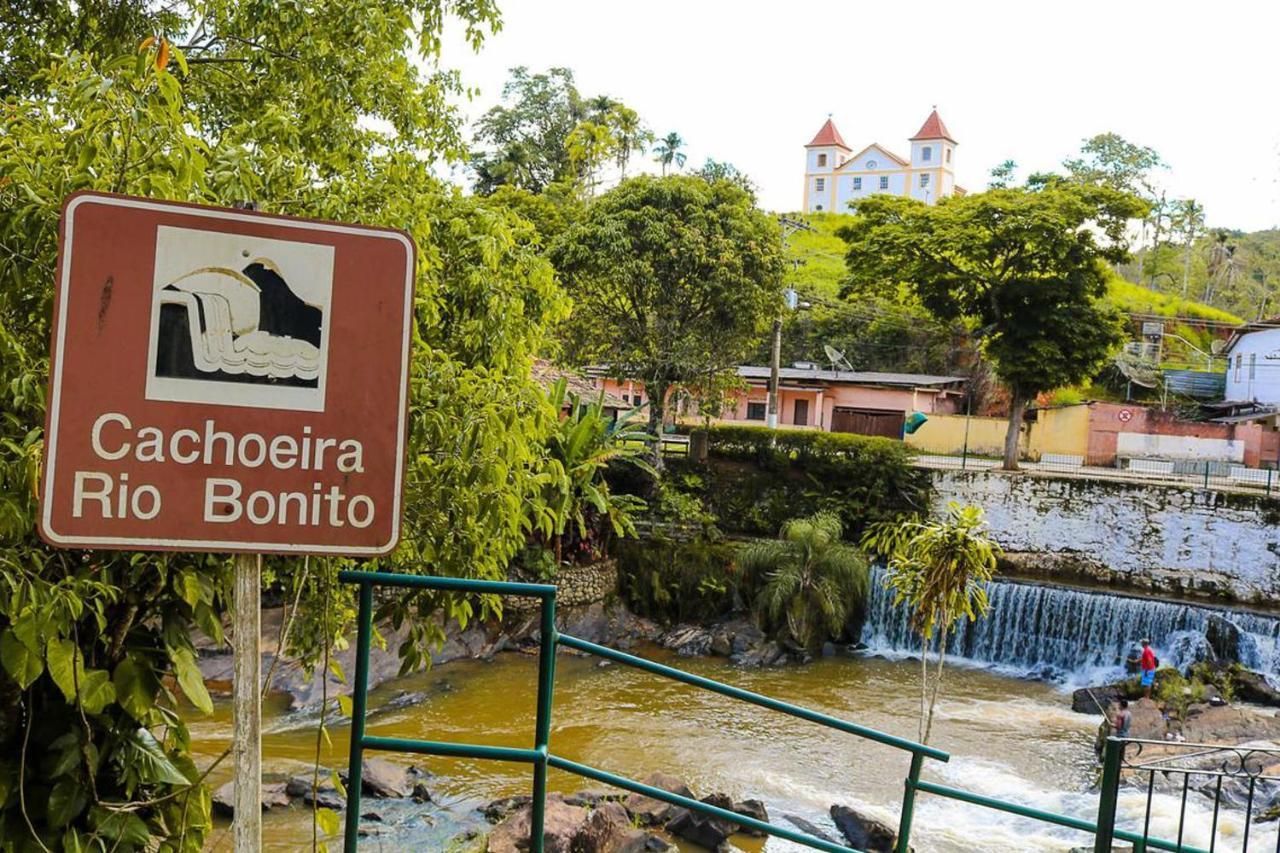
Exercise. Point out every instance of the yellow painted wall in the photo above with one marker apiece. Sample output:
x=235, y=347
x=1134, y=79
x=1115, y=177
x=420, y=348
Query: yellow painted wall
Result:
x=1064, y=430
x=945, y=434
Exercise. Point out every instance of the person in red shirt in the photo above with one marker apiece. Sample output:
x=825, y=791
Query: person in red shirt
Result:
x=1148, y=663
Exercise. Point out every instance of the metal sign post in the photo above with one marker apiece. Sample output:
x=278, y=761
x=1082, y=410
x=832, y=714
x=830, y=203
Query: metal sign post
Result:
x=227, y=381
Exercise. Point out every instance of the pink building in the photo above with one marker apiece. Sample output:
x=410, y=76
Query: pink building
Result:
x=831, y=400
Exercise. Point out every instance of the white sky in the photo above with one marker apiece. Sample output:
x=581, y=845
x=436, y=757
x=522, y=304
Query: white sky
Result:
x=751, y=82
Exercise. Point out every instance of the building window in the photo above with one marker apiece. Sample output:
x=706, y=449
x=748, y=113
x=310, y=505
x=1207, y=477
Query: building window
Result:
x=1253, y=365
x=1239, y=364
x=822, y=159
x=857, y=185
x=820, y=184
x=884, y=182
x=926, y=153
x=924, y=180
x=755, y=411
x=948, y=155
x=871, y=164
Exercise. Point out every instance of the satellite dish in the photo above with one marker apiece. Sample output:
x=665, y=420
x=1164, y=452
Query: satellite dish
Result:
x=1138, y=370
x=838, y=361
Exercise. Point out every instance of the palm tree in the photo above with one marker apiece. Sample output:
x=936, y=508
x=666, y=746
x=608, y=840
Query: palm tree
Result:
x=668, y=151
x=579, y=510
x=812, y=580
x=940, y=570
x=630, y=134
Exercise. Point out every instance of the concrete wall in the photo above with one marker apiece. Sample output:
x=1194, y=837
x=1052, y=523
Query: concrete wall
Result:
x=1172, y=540
x=945, y=434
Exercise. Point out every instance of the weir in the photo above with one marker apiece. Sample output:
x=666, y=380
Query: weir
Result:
x=1074, y=635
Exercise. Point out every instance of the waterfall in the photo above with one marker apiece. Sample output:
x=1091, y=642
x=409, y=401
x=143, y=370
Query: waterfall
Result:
x=1073, y=635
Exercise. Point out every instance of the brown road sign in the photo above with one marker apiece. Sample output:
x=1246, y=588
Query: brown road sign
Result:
x=223, y=380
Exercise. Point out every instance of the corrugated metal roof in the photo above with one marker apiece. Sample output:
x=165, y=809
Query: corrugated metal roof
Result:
x=848, y=377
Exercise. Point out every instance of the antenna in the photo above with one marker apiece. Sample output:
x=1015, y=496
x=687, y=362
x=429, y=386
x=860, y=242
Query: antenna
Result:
x=838, y=361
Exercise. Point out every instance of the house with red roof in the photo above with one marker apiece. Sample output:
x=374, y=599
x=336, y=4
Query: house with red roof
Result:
x=835, y=176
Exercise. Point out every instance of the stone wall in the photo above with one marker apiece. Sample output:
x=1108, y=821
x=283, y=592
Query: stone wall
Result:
x=575, y=586
x=1182, y=541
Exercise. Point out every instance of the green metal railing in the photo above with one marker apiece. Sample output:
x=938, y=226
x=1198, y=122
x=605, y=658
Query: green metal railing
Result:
x=541, y=757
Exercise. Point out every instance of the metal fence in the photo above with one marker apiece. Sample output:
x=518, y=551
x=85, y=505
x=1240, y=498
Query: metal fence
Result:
x=1189, y=473
x=541, y=757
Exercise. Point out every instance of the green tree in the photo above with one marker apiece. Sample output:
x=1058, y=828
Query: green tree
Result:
x=630, y=135
x=1002, y=176
x=93, y=751
x=719, y=170
x=939, y=570
x=674, y=280
x=1188, y=224
x=1110, y=160
x=1025, y=268
x=810, y=581
x=522, y=141
x=669, y=152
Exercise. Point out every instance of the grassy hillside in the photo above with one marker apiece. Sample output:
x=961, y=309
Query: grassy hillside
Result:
x=821, y=271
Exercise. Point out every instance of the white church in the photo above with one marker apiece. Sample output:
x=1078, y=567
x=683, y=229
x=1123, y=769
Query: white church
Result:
x=835, y=176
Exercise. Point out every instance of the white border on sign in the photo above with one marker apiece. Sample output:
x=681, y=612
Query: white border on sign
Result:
x=200, y=544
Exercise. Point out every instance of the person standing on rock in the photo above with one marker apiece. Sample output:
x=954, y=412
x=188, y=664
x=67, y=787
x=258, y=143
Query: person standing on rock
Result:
x=1148, y=663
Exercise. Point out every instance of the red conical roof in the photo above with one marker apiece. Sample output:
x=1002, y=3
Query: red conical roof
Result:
x=828, y=135
x=933, y=128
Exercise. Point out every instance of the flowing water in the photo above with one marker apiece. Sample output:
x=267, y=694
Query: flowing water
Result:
x=1011, y=735
x=1075, y=636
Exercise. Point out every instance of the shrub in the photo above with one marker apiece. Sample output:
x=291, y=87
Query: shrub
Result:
x=671, y=581
x=760, y=478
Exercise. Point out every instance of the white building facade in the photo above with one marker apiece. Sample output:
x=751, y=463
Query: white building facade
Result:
x=1253, y=365
x=835, y=176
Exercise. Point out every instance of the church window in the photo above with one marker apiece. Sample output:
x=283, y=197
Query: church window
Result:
x=822, y=159
x=871, y=164
x=857, y=184
x=926, y=153
x=948, y=155
x=820, y=184
x=884, y=182
x=924, y=180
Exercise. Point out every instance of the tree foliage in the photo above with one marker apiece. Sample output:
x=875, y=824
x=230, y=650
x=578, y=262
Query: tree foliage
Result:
x=545, y=132
x=810, y=580
x=1025, y=268
x=96, y=647
x=939, y=569
x=674, y=280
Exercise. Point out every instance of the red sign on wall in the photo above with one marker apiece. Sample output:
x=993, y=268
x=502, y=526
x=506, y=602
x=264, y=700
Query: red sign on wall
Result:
x=223, y=380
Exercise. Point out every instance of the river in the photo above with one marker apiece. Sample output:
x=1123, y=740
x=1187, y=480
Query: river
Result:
x=1010, y=736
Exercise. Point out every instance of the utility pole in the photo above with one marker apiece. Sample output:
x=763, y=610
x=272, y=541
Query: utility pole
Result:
x=789, y=227
x=774, y=366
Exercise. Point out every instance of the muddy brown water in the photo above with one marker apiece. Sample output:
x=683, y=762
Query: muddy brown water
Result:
x=1010, y=738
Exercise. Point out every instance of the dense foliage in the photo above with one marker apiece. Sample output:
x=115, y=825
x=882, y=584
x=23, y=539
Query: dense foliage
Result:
x=96, y=647
x=674, y=279
x=675, y=581
x=810, y=582
x=758, y=479
x=1027, y=268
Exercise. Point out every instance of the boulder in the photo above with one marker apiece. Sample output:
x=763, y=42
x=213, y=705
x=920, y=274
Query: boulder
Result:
x=274, y=794
x=326, y=796
x=752, y=808
x=809, y=828
x=1087, y=699
x=382, y=778
x=650, y=812
x=708, y=831
x=499, y=810
x=646, y=843
x=1223, y=637
x=591, y=799
x=608, y=830
x=862, y=832
x=1253, y=686
x=561, y=825
x=688, y=640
